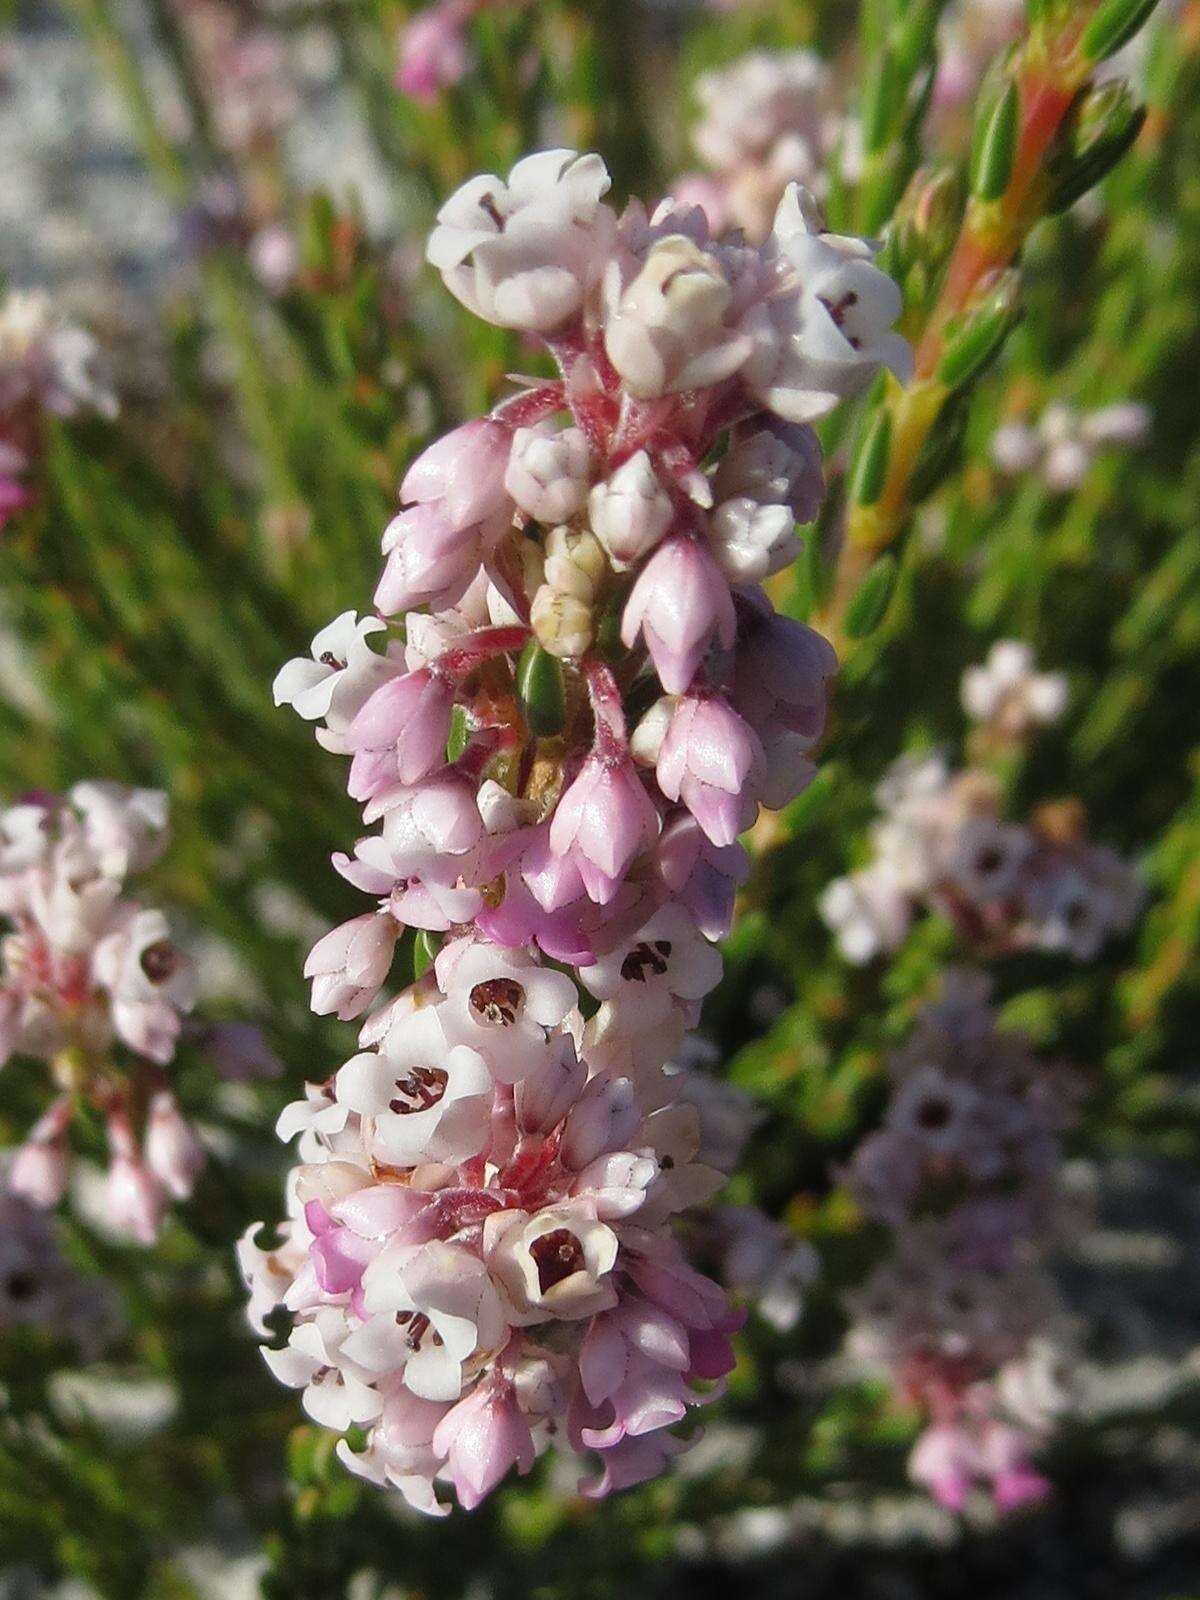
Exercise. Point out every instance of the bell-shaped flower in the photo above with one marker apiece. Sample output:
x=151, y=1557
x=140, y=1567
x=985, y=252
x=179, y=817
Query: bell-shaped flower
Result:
x=667, y=963
x=502, y=1004
x=709, y=760
x=427, y=1099
x=679, y=604
x=407, y=722
x=482, y=1437
x=525, y=254
x=341, y=672
x=554, y=1263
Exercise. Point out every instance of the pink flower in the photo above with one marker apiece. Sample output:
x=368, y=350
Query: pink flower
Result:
x=482, y=1437
x=134, y=1199
x=173, y=1153
x=349, y=964
x=409, y=720
x=433, y=52
x=708, y=760
x=679, y=603
x=602, y=821
x=41, y=1165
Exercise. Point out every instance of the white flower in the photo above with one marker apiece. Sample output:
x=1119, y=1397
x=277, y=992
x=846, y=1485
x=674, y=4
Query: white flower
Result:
x=674, y=327
x=868, y=912
x=555, y=1263
x=751, y=541
x=667, y=962
x=126, y=828
x=335, y=1391
x=526, y=253
x=548, y=472
x=1007, y=692
x=430, y=1308
x=339, y=676
x=829, y=331
x=427, y=1100
x=763, y=97
x=986, y=857
x=502, y=1004
x=631, y=512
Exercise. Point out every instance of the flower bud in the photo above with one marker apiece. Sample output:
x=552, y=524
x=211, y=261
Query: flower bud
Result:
x=604, y=1119
x=575, y=562
x=173, y=1153
x=544, y=1098
x=631, y=512
x=751, y=541
x=564, y=626
x=547, y=472
x=134, y=1199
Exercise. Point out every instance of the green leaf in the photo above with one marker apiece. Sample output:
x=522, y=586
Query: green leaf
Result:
x=1113, y=25
x=997, y=147
x=981, y=332
x=868, y=472
x=870, y=600
x=542, y=691
x=459, y=733
x=425, y=950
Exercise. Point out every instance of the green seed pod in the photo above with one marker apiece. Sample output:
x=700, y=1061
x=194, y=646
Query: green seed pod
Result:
x=871, y=599
x=1114, y=24
x=981, y=332
x=1103, y=123
x=996, y=146
x=868, y=472
x=542, y=691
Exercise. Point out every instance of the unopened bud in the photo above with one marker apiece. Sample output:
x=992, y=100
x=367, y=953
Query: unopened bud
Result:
x=631, y=512
x=544, y=1098
x=564, y=626
x=1098, y=130
x=604, y=1119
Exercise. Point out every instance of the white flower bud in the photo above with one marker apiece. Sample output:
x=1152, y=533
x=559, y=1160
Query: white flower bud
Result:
x=648, y=736
x=564, y=626
x=751, y=541
x=631, y=512
x=548, y=471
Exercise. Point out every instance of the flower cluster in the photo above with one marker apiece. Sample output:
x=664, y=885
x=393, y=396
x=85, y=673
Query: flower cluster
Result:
x=1062, y=445
x=942, y=843
x=475, y=1263
x=965, y=1171
x=591, y=698
x=84, y=969
x=766, y=121
x=47, y=365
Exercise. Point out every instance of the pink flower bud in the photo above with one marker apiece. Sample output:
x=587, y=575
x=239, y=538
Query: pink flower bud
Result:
x=602, y=821
x=481, y=1438
x=173, y=1153
x=708, y=760
x=544, y=1098
x=349, y=964
x=678, y=604
x=604, y=1119
x=411, y=712
x=41, y=1166
x=433, y=53
x=134, y=1199
x=464, y=472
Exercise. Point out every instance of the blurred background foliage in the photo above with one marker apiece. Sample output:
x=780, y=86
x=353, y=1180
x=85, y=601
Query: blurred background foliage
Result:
x=181, y=554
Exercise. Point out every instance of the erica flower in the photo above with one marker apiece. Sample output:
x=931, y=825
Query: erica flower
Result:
x=679, y=604
x=523, y=254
